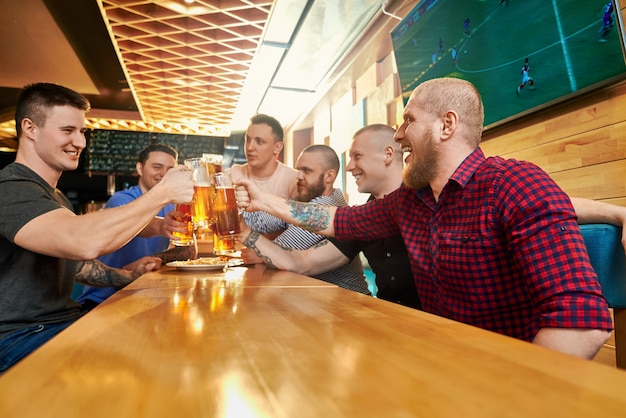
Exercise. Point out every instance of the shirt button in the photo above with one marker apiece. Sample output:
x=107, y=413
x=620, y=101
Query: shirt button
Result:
x=393, y=278
x=388, y=255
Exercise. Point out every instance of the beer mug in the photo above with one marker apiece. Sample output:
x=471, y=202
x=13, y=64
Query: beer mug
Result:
x=201, y=212
x=225, y=208
x=182, y=213
x=215, y=162
x=223, y=245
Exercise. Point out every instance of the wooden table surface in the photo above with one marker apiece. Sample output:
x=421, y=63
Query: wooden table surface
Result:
x=261, y=343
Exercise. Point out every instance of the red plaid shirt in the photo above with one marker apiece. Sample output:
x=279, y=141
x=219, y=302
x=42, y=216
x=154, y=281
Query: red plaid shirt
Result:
x=500, y=250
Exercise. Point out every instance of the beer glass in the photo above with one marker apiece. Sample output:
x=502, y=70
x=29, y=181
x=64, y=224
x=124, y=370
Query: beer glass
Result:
x=182, y=213
x=215, y=162
x=223, y=245
x=201, y=212
x=225, y=208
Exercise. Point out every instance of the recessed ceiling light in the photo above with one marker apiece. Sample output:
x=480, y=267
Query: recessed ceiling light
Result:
x=186, y=83
x=185, y=9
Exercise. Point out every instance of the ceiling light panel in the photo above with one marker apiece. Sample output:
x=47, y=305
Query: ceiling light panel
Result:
x=328, y=31
x=285, y=17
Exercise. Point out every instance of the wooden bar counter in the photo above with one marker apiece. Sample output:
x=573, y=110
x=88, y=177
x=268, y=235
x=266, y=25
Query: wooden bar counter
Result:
x=251, y=342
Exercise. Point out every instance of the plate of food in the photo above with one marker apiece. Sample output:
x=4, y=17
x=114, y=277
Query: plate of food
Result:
x=200, y=264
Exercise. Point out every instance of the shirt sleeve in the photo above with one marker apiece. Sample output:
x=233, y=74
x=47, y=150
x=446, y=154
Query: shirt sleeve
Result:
x=372, y=220
x=263, y=222
x=298, y=238
x=29, y=200
x=540, y=224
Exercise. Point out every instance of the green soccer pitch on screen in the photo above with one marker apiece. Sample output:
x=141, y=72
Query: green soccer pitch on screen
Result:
x=522, y=55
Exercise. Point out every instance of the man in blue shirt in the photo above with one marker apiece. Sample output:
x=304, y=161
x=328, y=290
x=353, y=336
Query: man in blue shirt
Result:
x=154, y=161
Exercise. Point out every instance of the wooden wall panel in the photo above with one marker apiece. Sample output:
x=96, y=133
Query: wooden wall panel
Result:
x=588, y=148
x=594, y=111
x=376, y=109
x=581, y=144
x=600, y=181
x=619, y=201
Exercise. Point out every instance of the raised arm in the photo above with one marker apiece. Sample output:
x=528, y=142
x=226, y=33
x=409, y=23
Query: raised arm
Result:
x=154, y=228
x=319, y=258
x=163, y=227
x=309, y=216
x=60, y=233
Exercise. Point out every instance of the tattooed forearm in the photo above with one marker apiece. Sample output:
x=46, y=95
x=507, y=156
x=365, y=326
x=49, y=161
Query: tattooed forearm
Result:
x=309, y=216
x=94, y=273
x=250, y=242
x=251, y=239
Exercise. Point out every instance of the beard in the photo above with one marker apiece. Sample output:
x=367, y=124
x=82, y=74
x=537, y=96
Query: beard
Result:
x=424, y=164
x=312, y=191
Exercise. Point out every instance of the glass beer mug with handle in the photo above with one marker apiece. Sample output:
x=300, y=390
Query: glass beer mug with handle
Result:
x=182, y=213
x=226, y=227
x=223, y=244
x=201, y=211
x=215, y=162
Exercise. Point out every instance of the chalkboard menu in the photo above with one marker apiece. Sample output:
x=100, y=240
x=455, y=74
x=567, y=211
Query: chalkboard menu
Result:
x=115, y=152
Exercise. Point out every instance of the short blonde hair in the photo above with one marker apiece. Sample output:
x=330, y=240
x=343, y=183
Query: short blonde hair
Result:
x=383, y=136
x=439, y=95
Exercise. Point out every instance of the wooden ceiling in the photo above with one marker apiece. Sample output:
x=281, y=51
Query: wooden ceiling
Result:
x=187, y=63
x=170, y=66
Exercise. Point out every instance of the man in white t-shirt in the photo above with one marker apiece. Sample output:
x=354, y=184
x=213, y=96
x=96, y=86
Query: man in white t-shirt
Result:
x=263, y=144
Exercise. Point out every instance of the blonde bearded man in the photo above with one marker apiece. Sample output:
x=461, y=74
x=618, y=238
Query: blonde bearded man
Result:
x=492, y=242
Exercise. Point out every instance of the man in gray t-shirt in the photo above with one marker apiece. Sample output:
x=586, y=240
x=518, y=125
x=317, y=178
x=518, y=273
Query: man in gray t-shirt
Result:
x=44, y=246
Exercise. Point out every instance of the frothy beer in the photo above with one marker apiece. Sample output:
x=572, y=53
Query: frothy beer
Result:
x=202, y=212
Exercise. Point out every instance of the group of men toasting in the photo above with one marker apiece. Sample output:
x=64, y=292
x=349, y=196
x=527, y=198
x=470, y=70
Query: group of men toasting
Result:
x=482, y=240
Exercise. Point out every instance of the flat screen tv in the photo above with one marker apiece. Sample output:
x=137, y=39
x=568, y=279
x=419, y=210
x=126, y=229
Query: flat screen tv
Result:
x=564, y=44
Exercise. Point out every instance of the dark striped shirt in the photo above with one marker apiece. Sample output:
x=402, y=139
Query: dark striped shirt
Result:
x=349, y=276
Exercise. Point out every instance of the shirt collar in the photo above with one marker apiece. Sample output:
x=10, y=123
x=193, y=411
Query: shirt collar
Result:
x=468, y=167
x=461, y=176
